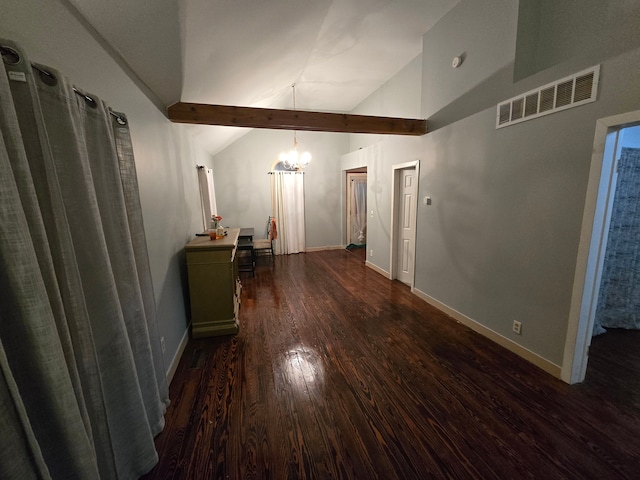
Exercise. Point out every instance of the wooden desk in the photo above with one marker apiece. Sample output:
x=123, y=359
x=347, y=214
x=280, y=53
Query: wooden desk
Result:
x=214, y=287
x=246, y=233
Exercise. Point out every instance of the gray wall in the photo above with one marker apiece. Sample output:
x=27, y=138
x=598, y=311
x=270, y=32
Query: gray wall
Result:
x=166, y=157
x=242, y=184
x=500, y=241
x=551, y=32
x=399, y=97
x=243, y=192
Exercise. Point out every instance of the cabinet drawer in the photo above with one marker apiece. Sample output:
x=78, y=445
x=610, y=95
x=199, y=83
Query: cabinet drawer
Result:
x=209, y=256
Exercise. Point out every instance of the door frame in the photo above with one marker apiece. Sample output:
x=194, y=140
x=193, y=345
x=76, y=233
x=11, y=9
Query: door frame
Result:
x=591, y=248
x=395, y=208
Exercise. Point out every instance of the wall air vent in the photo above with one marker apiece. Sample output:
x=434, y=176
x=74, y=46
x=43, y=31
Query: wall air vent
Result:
x=566, y=93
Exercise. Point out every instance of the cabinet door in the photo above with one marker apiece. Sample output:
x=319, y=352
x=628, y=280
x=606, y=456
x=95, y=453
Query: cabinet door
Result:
x=212, y=290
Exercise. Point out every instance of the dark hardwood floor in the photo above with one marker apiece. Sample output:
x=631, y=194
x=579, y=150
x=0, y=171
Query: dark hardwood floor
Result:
x=339, y=373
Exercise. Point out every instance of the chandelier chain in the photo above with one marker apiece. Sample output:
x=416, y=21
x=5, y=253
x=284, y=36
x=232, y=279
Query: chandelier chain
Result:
x=295, y=132
x=292, y=160
x=293, y=87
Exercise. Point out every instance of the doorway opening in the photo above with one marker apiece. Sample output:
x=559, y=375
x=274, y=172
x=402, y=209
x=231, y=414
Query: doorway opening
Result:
x=356, y=211
x=615, y=139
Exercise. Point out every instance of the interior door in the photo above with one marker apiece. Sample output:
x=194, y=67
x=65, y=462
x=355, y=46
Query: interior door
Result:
x=405, y=246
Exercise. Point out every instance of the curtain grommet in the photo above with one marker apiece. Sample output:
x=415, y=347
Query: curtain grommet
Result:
x=10, y=56
x=88, y=100
x=46, y=76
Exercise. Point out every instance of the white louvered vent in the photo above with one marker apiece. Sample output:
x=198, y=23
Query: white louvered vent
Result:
x=566, y=93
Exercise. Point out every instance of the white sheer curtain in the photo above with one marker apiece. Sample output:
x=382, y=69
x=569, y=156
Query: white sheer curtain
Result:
x=359, y=211
x=207, y=195
x=82, y=384
x=287, y=190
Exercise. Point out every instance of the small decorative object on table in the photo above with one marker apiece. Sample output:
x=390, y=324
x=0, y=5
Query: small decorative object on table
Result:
x=216, y=230
x=219, y=231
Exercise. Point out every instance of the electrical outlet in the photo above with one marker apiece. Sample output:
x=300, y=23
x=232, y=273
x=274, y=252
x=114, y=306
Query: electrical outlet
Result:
x=517, y=327
x=371, y=252
x=162, y=346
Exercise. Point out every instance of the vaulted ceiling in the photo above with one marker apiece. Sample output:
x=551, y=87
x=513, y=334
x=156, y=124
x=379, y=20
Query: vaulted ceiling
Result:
x=250, y=52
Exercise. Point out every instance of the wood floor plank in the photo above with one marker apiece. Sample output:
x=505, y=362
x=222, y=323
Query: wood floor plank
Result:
x=338, y=372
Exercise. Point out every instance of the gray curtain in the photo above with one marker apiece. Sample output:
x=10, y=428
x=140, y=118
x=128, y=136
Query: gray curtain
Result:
x=82, y=385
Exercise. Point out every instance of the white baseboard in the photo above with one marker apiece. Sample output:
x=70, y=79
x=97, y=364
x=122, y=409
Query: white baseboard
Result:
x=510, y=345
x=326, y=247
x=377, y=269
x=178, y=355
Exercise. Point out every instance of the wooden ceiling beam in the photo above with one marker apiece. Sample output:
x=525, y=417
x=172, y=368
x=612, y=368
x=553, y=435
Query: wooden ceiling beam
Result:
x=204, y=114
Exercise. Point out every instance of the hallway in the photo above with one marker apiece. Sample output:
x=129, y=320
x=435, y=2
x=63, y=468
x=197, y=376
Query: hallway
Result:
x=339, y=373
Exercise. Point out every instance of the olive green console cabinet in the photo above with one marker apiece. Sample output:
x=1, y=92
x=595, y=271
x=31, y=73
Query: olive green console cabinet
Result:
x=214, y=286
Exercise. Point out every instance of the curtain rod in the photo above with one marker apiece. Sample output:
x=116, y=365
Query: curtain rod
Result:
x=122, y=120
x=282, y=171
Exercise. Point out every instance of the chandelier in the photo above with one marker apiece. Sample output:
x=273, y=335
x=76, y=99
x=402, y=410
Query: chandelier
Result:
x=293, y=160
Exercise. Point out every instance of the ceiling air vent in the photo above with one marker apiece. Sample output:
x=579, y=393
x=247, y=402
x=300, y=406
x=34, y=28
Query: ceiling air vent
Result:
x=566, y=93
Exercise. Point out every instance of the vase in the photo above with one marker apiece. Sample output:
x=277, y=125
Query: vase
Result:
x=212, y=229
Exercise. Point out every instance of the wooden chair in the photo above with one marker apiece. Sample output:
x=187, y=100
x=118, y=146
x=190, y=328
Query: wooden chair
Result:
x=246, y=253
x=264, y=246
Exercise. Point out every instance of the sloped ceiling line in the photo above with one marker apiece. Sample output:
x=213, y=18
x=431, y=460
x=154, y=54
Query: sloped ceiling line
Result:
x=249, y=52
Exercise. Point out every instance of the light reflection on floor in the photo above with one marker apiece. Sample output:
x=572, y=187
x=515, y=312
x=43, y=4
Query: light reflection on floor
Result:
x=302, y=367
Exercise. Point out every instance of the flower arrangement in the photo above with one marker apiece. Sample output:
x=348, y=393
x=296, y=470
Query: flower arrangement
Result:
x=216, y=230
x=215, y=221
